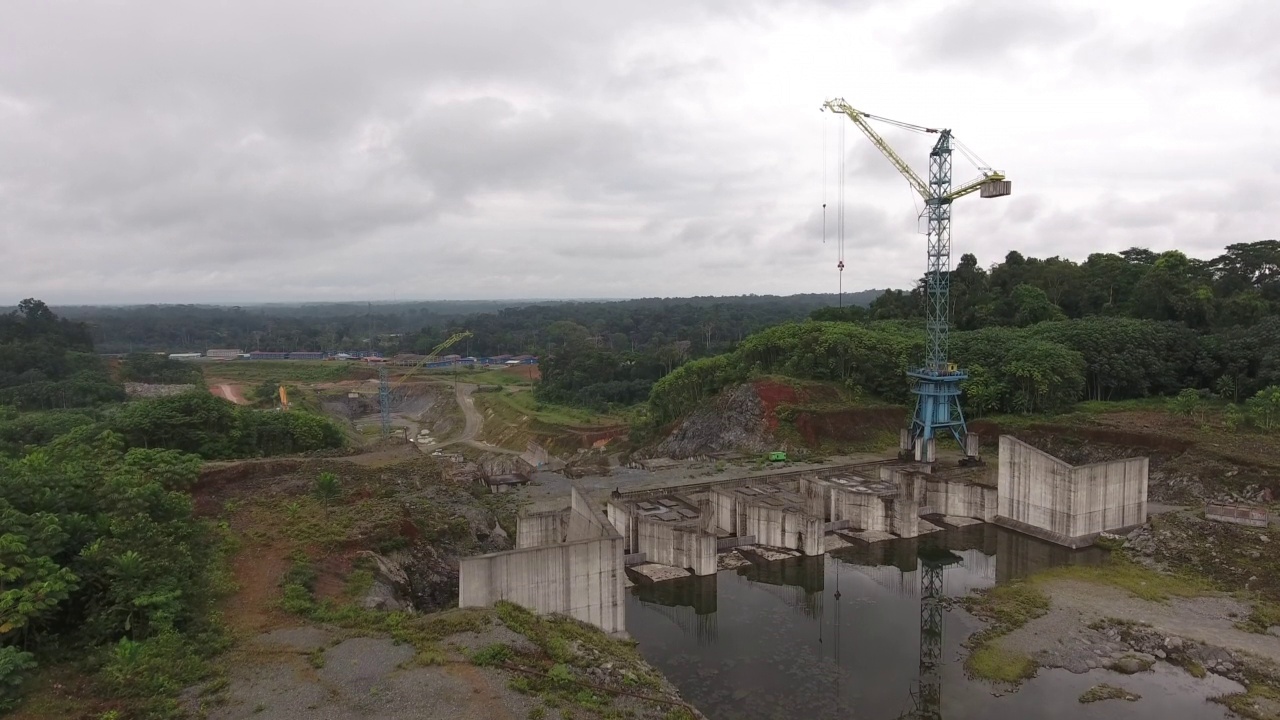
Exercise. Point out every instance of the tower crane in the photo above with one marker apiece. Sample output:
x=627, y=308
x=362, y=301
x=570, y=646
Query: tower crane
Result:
x=937, y=380
x=384, y=381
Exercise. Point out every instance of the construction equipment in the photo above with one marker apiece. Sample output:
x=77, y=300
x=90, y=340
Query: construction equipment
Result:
x=937, y=381
x=384, y=382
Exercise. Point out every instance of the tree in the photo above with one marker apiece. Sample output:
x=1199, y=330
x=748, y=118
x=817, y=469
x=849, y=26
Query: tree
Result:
x=1264, y=408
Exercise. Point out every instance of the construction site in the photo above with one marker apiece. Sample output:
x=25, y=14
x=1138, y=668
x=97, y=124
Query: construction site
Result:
x=722, y=553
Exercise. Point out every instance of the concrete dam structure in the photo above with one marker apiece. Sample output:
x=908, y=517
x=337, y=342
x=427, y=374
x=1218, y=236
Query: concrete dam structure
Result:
x=578, y=561
x=1069, y=505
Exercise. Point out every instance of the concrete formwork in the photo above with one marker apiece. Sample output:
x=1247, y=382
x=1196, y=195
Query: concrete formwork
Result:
x=581, y=577
x=1049, y=498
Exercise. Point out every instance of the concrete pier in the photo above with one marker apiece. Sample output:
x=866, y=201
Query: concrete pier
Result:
x=1065, y=504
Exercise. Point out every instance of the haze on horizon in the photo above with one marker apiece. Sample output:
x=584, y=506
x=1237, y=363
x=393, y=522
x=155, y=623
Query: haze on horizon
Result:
x=323, y=151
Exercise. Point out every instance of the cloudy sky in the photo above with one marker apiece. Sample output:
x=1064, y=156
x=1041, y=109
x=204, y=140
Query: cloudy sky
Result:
x=175, y=151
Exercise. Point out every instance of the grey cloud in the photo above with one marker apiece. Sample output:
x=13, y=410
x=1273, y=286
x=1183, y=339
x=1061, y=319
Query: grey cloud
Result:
x=986, y=31
x=244, y=151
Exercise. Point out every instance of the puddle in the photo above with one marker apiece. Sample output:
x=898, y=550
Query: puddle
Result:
x=840, y=637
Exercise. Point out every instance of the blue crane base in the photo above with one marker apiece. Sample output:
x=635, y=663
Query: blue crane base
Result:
x=937, y=406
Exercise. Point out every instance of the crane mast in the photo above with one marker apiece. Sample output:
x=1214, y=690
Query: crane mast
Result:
x=937, y=380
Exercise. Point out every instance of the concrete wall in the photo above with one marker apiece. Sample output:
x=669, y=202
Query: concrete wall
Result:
x=545, y=528
x=864, y=511
x=724, y=507
x=581, y=578
x=683, y=547
x=585, y=522
x=817, y=496
x=776, y=527
x=1044, y=496
x=622, y=520
x=960, y=498
x=1034, y=488
x=1109, y=496
x=906, y=506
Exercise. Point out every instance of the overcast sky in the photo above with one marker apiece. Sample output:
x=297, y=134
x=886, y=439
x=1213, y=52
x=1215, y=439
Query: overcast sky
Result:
x=175, y=151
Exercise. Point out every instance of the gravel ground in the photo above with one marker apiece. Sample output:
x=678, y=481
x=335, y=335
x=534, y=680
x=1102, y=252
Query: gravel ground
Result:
x=316, y=673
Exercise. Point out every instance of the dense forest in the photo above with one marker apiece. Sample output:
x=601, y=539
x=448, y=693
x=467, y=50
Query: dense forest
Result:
x=1040, y=335
x=101, y=559
x=498, y=327
x=52, y=381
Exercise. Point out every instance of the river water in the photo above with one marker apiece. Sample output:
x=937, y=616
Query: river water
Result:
x=839, y=636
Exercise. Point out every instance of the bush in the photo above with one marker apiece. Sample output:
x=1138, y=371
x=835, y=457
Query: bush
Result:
x=152, y=368
x=1186, y=402
x=328, y=488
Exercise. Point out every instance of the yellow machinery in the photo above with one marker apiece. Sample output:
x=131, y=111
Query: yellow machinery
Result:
x=384, y=381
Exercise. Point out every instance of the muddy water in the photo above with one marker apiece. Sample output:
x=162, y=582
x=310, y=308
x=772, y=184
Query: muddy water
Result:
x=840, y=637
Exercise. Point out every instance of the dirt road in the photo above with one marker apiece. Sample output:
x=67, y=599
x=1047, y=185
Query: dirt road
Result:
x=229, y=392
x=474, y=421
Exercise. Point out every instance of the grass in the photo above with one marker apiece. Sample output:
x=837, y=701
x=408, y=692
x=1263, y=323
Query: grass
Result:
x=1264, y=615
x=992, y=662
x=308, y=371
x=1253, y=703
x=482, y=377
x=1120, y=572
x=527, y=404
x=1007, y=607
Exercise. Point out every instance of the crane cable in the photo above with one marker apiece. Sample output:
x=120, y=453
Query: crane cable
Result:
x=825, y=161
x=840, y=221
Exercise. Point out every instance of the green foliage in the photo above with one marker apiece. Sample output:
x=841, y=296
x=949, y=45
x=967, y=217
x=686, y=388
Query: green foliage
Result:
x=14, y=665
x=1264, y=408
x=199, y=423
x=1127, y=358
x=1006, y=607
x=1186, y=402
x=328, y=488
x=153, y=368
x=20, y=431
x=98, y=547
x=492, y=654
x=992, y=662
x=47, y=362
x=267, y=393
x=1022, y=373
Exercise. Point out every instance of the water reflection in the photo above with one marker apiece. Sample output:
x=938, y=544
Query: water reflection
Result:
x=857, y=633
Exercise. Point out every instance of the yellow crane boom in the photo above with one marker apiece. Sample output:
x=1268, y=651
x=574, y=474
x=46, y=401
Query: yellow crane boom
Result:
x=434, y=354
x=989, y=183
x=384, y=383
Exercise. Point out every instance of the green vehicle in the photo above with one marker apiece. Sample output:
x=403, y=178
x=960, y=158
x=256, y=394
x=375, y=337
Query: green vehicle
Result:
x=777, y=457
